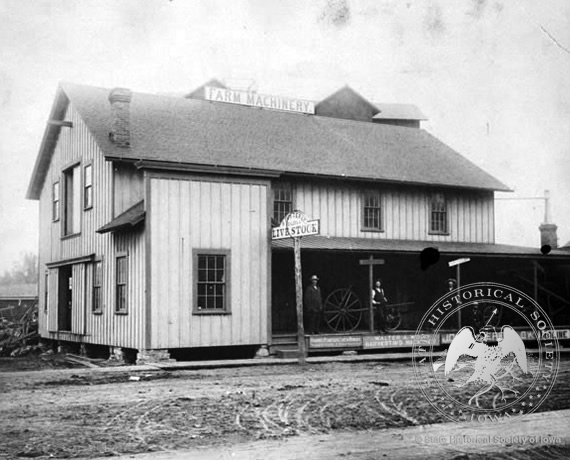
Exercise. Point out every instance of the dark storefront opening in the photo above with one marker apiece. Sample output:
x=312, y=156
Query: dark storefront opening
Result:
x=64, y=298
x=415, y=288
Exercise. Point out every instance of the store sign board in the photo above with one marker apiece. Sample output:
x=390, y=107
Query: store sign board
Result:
x=265, y=101
x=336, y=341
x=394, y=341
x=311, y=227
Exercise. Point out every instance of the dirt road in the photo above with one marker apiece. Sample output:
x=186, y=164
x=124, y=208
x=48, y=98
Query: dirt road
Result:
x=67, y=413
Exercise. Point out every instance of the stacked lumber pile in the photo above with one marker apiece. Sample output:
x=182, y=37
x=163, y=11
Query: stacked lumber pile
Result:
x=19, y=337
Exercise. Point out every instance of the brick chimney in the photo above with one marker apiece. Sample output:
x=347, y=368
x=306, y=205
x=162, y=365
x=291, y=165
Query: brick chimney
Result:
x=120, y=99
x=548, y=235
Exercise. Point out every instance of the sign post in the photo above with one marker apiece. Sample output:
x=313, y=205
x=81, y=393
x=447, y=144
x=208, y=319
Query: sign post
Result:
x=296, y=225
x=299, y=301
x=457, y=263
x=371, y=261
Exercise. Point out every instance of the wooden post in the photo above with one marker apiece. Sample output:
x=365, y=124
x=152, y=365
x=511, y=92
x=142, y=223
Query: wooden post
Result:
x=371, y=261
x=370, y=287
x=535, y=265
x=299, y=301
x=459, y=302
x=457, y=263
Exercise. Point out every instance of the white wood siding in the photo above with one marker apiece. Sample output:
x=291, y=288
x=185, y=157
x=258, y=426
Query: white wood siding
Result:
x=77, y=145
x=405, y=212
x=206, y=214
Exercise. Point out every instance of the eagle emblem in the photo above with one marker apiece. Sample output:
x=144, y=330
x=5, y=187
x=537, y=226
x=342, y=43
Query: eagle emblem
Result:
x=490, y=367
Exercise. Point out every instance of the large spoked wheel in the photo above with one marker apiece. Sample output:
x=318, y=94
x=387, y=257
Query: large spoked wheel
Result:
x=342, y=310
x=392, y=318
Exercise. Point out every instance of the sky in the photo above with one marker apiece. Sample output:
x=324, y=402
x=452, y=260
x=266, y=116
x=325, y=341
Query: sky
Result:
x=492, y=76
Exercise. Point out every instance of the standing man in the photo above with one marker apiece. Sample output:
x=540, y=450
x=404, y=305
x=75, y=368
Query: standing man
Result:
x=313, y=306
x=379, y=300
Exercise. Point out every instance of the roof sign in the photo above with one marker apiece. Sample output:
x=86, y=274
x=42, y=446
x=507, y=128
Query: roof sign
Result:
x=264, y=101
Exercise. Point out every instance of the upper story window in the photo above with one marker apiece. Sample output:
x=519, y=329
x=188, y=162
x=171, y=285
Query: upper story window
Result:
x=372, y=212
x=55, y=201
x=438, y=214
x=282, y=202
x=121, y=284
x=71, y=203
x=211, y=281
x=97, y=287
x=88, y=187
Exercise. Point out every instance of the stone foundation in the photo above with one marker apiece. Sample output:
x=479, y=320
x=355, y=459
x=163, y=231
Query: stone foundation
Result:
x=116, y=354
x=154, y=356
x=263, y=352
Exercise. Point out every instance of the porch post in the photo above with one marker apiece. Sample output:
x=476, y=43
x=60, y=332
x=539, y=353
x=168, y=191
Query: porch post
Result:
x=299, y=298
x=370, y=287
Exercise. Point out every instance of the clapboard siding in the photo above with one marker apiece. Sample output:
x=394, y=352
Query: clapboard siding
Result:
x=189, y=214
x=76, y=145
x=405, y=212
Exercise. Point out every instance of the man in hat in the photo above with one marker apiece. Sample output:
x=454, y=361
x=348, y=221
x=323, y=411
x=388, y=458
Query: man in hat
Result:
x=313, y=306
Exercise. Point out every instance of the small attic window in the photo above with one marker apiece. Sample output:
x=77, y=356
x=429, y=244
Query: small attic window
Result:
x=438, y=214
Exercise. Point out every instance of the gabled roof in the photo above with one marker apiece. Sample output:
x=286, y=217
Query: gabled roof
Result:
x=178, y=131
x=126, y=220
x=398, y=112
x=347, y=93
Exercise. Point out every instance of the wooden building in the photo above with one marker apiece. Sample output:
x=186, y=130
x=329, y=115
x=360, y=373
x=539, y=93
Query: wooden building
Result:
x=156, y=212
x=16, y=299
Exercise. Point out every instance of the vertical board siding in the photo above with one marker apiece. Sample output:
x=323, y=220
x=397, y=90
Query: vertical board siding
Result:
x=189, y=215
x=405, y=212
x=129, y=181
x=75, y=145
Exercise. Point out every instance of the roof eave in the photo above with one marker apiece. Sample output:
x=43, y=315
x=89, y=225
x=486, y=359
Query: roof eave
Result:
x=51, y=134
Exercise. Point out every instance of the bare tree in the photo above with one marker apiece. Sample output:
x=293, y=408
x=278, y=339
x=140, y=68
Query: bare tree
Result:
x=25, y=271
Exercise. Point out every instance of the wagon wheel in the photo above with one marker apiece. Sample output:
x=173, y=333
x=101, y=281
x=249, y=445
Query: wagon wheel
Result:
x=487, y=314
x=343, y=311
x=392, y=318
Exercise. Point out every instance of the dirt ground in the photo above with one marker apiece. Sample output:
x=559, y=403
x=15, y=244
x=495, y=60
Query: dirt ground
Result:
x=81, y=413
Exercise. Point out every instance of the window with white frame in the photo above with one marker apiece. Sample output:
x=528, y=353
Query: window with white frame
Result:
x=55, y=199
x=88, y=187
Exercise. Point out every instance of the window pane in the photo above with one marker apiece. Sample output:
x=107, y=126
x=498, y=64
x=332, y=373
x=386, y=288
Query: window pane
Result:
x=372, y=212
x=88, y=197
x=88, y=175
x=211, y=279
x=121, y=270
x=282, y=202
x=438, y=215
x=55, y=201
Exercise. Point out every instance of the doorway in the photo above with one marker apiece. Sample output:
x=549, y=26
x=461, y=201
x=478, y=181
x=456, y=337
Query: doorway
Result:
x=64, y=298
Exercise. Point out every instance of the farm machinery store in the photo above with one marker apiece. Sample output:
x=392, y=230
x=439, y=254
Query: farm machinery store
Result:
x=157, y=214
